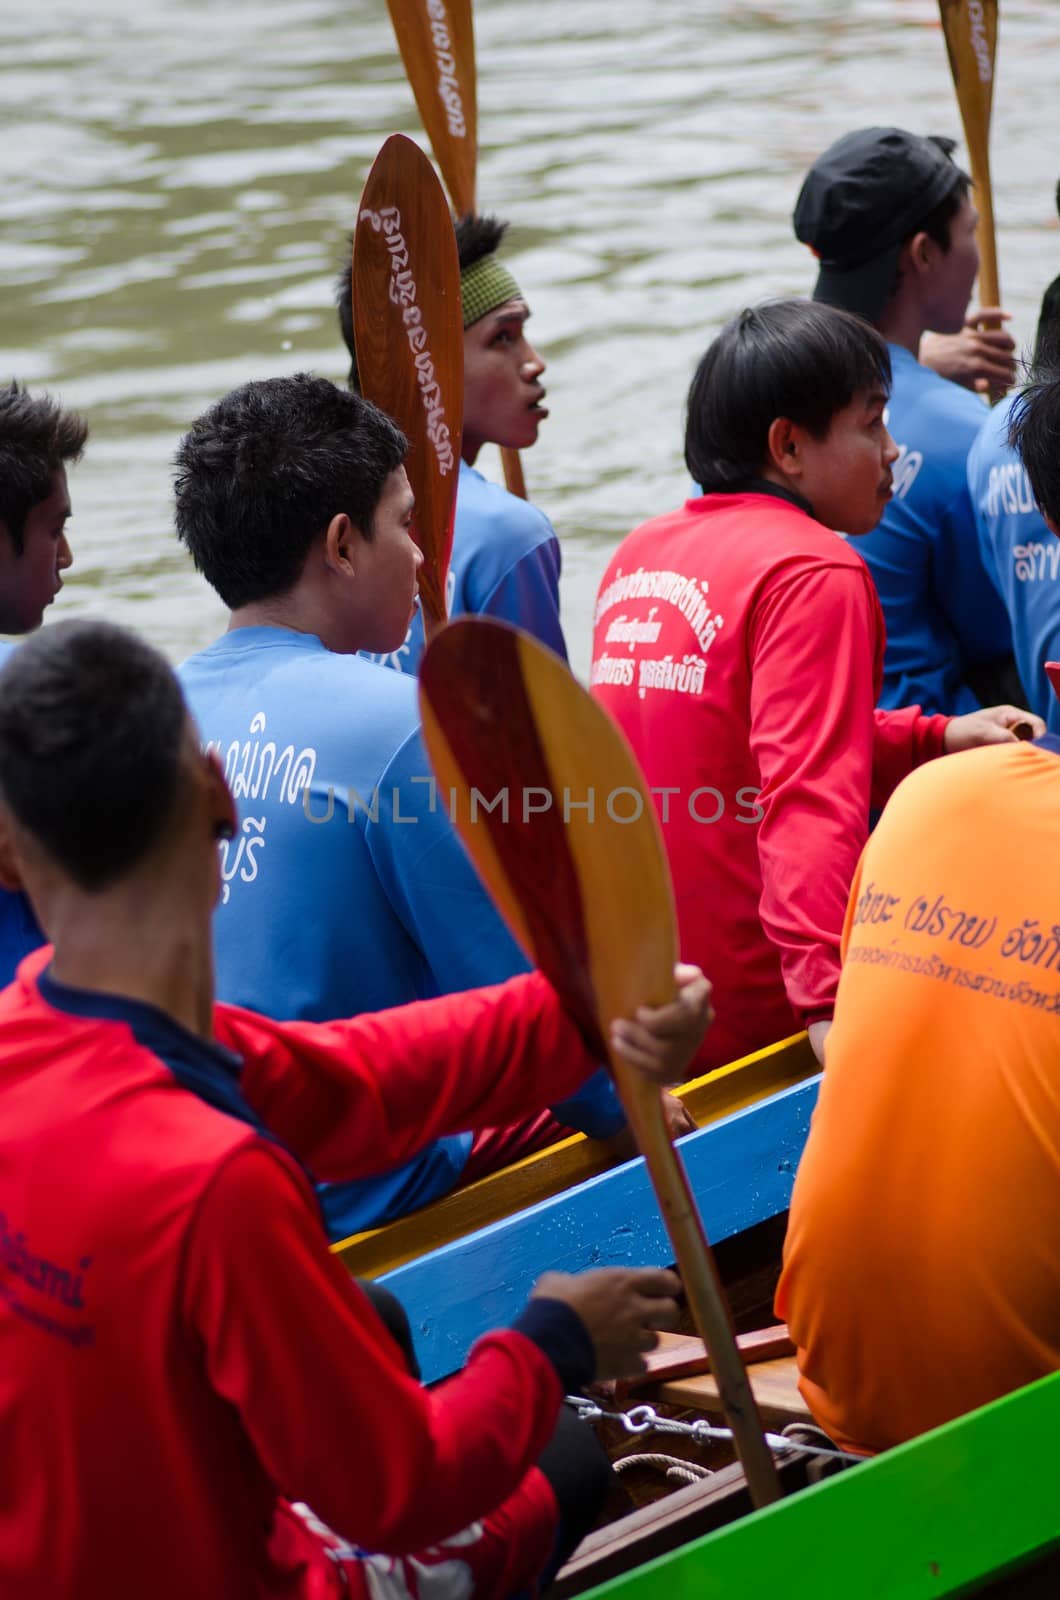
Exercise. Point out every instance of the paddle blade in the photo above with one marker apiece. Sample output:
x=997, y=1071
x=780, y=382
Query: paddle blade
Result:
x=409, y=334
x=556, y=816
x=970, y=27
x=437, y=43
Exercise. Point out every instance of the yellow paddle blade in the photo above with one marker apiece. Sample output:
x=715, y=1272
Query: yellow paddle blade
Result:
x=556, y=815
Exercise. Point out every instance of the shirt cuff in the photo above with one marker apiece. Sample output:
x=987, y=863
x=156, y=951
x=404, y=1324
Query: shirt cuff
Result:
x=561, y=1335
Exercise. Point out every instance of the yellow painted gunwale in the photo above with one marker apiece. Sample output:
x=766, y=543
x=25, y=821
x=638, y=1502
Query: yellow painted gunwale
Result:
x=709, y=1098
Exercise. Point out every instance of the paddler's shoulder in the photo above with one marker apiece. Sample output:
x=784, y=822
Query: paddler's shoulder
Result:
x=762, y=527
x=487, y=510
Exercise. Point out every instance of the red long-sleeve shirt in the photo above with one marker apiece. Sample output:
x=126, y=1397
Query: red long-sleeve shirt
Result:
x=178, y=1350
x=739, y=645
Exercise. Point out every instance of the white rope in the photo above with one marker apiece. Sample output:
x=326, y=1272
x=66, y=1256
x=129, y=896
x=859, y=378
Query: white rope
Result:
x=677, y=1470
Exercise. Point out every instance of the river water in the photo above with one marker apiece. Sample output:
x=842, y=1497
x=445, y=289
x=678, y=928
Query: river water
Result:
x=176, y=181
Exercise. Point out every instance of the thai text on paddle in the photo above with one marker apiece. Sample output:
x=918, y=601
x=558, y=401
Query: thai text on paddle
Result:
x=402, y=292
x=980, y=42
x=448, y=84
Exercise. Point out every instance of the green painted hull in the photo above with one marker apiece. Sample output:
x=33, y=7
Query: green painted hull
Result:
x=941, y=1515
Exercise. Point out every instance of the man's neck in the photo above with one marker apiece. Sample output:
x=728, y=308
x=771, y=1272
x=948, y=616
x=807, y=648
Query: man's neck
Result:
x=283, y=612
x=149, y=952
x=902, y=323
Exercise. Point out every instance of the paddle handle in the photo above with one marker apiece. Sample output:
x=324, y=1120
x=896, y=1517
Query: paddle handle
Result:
x=432, y=625
x=989, y=288
x=970, y=31
x=642, y=1103
x=514, y=480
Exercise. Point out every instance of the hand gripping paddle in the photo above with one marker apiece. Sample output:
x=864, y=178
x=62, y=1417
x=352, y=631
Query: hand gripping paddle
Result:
x=571, y=851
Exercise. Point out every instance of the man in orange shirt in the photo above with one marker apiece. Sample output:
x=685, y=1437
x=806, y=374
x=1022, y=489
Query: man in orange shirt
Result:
x=922, y=1264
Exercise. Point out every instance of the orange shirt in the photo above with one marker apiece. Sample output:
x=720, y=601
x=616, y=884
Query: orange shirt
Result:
x=922, y=1264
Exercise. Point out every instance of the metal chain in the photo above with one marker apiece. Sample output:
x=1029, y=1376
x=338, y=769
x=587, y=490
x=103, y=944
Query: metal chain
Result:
x=645, y=1419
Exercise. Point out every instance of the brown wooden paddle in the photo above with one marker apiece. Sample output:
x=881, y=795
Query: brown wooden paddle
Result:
x=554, y=811
x=409, y=335
x=970, y=27
x=437, y=43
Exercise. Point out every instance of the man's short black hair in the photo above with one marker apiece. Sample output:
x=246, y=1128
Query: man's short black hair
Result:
x=1034, y=431
x=37, y=437
x=261, y=474
x=92, y=729
x=1047, y=339
x=788, y=358
x=475, y=237
x=938, y=223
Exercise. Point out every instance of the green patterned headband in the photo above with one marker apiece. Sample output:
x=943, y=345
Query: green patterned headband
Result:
x=484, y=286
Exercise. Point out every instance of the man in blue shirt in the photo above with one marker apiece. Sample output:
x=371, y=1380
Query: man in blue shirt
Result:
x=38, y=439
x=346, y=888
x=1019, y=549
x=506, y=557
x=890, y=217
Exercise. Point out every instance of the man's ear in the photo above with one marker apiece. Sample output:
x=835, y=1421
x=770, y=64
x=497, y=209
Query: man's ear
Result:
x=782, y=447
x=342, y=545
x=10, y=875
x=223, y=811
x=919, y=255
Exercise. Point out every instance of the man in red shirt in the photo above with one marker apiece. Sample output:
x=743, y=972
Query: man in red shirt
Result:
x=182, y=1362
x=739, y=643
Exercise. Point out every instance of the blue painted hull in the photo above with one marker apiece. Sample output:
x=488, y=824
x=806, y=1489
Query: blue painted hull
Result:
x=741, y=1171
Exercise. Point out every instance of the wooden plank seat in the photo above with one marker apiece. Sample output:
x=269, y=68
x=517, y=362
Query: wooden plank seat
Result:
x=775, y=1384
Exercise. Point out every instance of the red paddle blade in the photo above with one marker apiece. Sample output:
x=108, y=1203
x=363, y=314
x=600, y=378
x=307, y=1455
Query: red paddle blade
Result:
x=555, y=814
x=409, y=335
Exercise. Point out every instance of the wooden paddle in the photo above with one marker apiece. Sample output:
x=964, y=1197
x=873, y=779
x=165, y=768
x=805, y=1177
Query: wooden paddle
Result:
x=970, y=27
x=553, y=809
x=409, y=335
x=437, y=43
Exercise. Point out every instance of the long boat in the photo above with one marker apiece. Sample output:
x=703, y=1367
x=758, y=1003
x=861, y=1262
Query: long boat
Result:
x=947, y=1513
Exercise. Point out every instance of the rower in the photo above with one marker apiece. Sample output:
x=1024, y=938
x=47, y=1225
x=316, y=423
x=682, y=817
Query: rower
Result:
x=1019, y=549
x=38, y=439
x=738, y=643
x=346, y=888
x=922, y=1263
x=889, y=216
x=506, y=558
x=183, y=1357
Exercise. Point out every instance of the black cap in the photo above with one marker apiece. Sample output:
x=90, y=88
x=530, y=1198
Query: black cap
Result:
x=861, y=200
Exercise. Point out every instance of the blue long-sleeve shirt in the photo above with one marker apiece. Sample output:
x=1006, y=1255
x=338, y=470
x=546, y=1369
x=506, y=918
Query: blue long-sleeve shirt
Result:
x=358, y=894
x=942, y=611
x=1022, y=555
